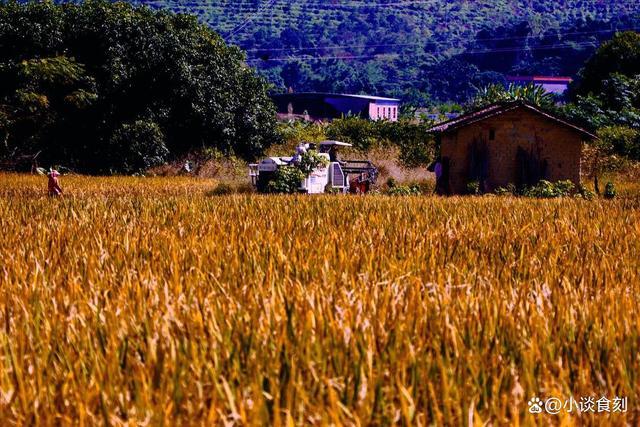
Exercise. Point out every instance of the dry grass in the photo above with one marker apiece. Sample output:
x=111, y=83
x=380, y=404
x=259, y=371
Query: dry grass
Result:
x=146, y=301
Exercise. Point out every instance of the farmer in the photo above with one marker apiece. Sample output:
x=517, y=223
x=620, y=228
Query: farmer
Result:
x=54, y=185
x=301, y=150
x=333, y=154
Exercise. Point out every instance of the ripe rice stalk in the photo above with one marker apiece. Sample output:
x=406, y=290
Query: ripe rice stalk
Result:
x=141, y=301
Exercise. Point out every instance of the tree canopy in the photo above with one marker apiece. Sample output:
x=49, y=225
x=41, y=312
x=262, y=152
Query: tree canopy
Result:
x=105, y=87
x=619, y=56
x=606, y=97
x=607, y=92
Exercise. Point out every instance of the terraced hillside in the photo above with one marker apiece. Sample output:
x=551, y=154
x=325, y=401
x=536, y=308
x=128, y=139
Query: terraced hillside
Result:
x=393, y=46
x=454, y=22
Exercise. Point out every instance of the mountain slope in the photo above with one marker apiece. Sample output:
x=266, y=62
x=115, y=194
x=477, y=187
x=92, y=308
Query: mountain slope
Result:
x=393, y=46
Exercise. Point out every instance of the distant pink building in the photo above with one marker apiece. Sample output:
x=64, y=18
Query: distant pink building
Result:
x=555, y=85
x=383, y=109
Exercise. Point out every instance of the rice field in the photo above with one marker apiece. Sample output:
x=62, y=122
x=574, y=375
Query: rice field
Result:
x=148, y=301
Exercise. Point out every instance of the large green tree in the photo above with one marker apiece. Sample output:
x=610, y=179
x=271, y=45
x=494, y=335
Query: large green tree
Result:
x=607, y=91
x=606, y=97
x=104, y=87
x=619, y=56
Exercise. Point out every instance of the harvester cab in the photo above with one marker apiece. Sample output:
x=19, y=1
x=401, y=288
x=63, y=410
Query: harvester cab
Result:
x=341, y=176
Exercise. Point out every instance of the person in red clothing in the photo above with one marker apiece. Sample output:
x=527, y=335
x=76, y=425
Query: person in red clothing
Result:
x=54, y=185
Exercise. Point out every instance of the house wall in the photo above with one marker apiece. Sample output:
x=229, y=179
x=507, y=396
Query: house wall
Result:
x=559, y=145
x=383, y=110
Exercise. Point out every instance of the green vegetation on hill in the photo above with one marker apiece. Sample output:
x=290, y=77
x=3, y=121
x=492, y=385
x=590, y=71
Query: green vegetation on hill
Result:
x=422, y=51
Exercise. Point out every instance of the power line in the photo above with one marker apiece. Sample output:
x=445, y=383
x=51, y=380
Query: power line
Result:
x=246, y=22
x=397, y=55
x=560, y=33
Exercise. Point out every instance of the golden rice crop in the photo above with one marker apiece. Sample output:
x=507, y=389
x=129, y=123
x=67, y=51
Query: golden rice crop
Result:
x=136, y=301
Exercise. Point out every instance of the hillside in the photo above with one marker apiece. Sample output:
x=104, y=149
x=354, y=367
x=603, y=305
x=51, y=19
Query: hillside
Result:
x=397, y=47
x=450, y=23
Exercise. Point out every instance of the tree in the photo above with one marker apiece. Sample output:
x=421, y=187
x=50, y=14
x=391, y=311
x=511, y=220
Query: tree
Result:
x=606, y=98
x=139, y=146
x=620, y=55
x=297, y=76
x=76, y=78
x=598, y=152
x=621, y=139
x=450, y=80
x=49, y=103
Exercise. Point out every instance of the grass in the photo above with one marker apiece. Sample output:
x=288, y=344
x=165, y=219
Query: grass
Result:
x=150, y=301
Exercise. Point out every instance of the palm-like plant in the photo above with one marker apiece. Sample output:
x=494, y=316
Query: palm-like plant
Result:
x=534, y=94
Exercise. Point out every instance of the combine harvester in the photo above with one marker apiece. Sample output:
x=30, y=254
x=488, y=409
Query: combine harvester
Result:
x=338, y=176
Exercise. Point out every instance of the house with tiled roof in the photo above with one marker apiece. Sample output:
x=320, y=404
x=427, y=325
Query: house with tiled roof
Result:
x=508, y=143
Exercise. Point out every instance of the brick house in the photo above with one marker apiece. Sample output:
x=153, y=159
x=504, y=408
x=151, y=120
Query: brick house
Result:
x=508, y=143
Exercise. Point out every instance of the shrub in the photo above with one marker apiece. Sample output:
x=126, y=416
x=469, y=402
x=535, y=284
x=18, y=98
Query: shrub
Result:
x=623, y=140
x=404, y=190
x=564, y=188
x=585, y=193
x=353, y=130
x=224, y=189
x=417, y=147
x=416, y=153
x=545, y=189
x=294, y=131
x=509, y=190
x=473, y=188
x=609, y=191
x=137, y=146
x=310, y=161
x=286, y=181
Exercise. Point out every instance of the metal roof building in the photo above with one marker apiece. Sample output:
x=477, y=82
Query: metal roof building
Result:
x=313, y=106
